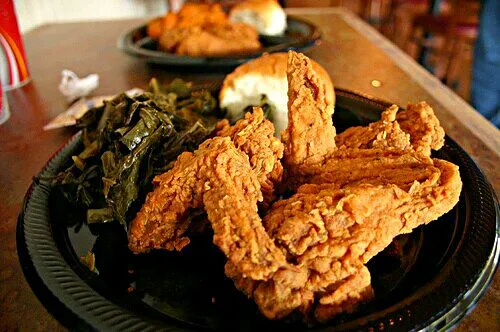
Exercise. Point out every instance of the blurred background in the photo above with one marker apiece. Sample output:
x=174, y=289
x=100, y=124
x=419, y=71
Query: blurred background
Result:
x=33, y=13
x=439, y=34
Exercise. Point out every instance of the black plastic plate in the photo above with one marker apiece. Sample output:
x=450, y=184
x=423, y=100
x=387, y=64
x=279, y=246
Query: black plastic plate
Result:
x=429, y=278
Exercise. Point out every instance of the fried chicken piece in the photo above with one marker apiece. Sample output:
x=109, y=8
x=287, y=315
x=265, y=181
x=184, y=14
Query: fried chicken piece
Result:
x=420, y=122
x=330, y=233
x=380, y=182
x=383, y=134
x=221, y=39
x=202, y=30
x=162, y=221
x=415, y=129
x=423, y=202
x=310, y=135
x=254, y=135
x=191, y=15
x=219, y=178
x=373, y=166
x=381, y=151
x=210, y=39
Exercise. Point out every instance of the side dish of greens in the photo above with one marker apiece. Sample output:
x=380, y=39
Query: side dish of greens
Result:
x=129, y=140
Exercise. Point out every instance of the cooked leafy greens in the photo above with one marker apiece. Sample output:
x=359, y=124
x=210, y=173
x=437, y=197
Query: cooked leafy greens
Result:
x=129, y=140
x=267, y=107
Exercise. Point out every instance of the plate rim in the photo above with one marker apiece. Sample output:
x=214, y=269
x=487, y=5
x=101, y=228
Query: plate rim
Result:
x=128, y=320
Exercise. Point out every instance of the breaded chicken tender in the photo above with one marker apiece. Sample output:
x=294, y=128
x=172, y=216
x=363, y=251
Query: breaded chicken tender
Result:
x=415, y=129
x=310, y=135
x=398, y=144
x=356, y=192
x=328, y=234
x=217, y=177
x=353, y=193
x=254, y=135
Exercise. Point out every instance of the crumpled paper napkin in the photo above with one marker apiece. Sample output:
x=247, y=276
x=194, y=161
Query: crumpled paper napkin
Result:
x=75, y=88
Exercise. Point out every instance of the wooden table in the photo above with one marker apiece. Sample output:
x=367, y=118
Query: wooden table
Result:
x=353, y=53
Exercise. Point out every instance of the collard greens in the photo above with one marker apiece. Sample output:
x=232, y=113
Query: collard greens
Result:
x=127, y=141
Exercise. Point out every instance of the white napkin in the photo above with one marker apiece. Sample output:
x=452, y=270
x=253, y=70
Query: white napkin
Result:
x=74, y=87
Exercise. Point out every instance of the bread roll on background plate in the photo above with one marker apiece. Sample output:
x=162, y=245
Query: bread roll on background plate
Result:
x=266, y=16
x=264, y=76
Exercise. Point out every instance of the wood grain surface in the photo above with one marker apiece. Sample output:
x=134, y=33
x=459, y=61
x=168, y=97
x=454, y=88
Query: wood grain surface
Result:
x=349, y=53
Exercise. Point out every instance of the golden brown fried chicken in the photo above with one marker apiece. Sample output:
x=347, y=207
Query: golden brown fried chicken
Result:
x=414, y=129
x=217, y=177
x=254, y=136
x=378, y=183
x=374, y=166
x=202, y=30
x=420, y=122
x=310, y=135
x=309, y=252
x=329, y=233
x=383, y=134
x=190, y=15
x=210, y=39
x=389, y=149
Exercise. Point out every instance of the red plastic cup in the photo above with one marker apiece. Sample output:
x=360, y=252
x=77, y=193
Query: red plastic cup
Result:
x=13, y=64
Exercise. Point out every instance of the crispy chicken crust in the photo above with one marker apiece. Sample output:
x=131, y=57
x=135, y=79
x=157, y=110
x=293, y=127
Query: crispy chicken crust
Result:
x=310, y=135
x=414, y=129
x=330, y=233
x=202, y=30
x=354, y=193
x=219, y=178
x=254, y=136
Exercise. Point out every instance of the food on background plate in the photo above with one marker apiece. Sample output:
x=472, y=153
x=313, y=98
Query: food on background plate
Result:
x=129, y=140
x=190, y=15
x=211, y=39
x=352, y=194
x=265, y=77
x=266, y=16
x=202, y=30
